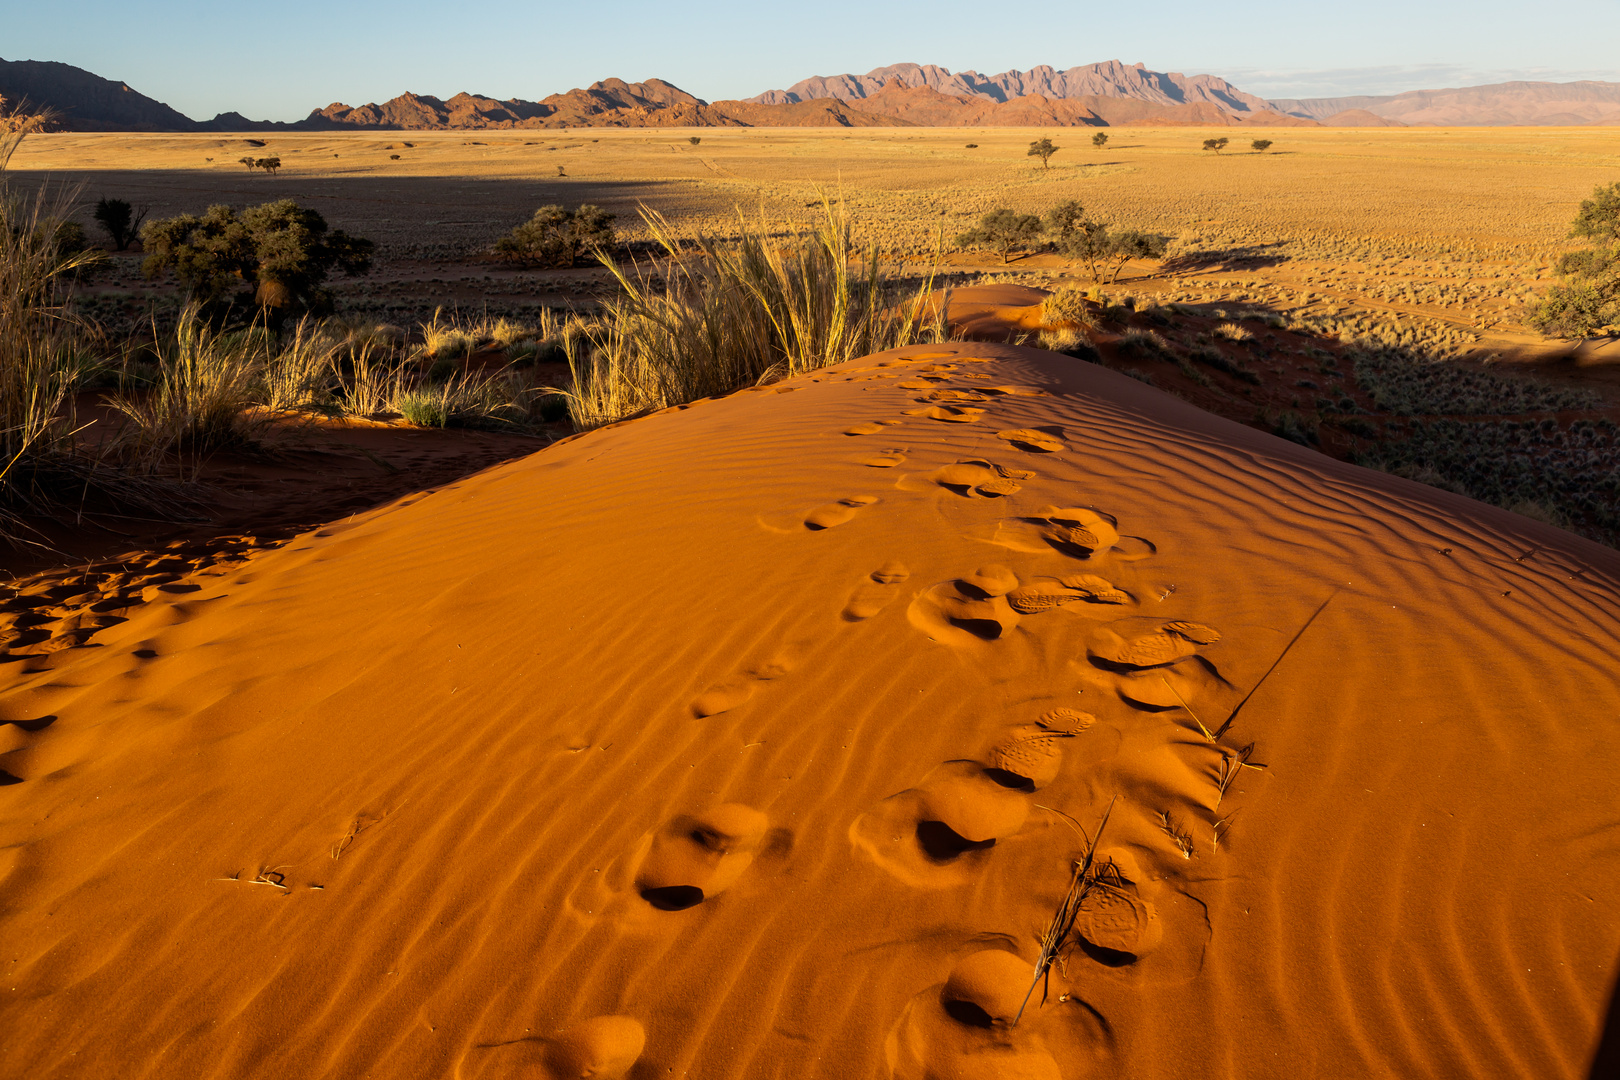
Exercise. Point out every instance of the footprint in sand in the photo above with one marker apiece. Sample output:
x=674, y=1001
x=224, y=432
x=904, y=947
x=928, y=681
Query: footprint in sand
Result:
x=871, y=427
x=1045, y=595
x=950, y=414
x=727, y=695
x=1078, y=531
x=965, y=1028
x=874, y=594
x=1035, y=442
x=976, y=476
x=835, y=514
x=1115, y=924
x=1170, y=642
x=602, y=1048
x=695, y=858
x=970, y=609
x=935, y=834
x=884, y=459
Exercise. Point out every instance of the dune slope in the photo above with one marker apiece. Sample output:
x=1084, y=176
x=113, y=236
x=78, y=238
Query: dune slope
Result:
x=756, y=723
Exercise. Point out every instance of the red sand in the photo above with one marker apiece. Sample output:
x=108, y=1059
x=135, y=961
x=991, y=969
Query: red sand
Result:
x=424, y=794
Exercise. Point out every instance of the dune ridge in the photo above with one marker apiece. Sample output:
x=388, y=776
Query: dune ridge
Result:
x=388, y=799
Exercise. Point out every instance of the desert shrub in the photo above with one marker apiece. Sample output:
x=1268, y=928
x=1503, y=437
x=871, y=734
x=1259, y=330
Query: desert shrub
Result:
x=1232, y=332
x=1043, y=149
x=1100, y=139
x=1003, y=230
x=557, y=236
x=1216, y=145
x=423, y=406
x=1587, y=301
x=1068, y=307
x=694, y=139
x=1146, y=341
x=283, y=251
x=120, y=221
x=1290, y=425
x=1260, y=146
x=1409, y=383
x=713, y=316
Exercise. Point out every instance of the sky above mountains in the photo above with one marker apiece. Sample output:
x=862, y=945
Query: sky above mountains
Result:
x=279, y=62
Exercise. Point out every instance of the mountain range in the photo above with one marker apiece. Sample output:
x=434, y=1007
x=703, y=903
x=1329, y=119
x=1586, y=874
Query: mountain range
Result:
x=1106, y=94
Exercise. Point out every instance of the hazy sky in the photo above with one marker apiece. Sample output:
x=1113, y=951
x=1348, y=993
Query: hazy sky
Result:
x=279, y=61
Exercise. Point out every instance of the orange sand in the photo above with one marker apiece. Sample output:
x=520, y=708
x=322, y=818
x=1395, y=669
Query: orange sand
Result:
x=386, y=801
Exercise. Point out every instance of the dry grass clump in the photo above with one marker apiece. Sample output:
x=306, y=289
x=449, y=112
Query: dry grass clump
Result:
x=1232, y=332
x=1068, y=308
x=711, y=317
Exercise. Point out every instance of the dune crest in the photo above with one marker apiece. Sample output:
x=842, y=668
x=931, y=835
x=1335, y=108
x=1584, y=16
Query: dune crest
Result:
x=774, y=762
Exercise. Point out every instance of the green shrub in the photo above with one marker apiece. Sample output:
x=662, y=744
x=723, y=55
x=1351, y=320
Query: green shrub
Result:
x=557, y=236
x=1002, y=230
x=283, y=251
x=1587, y=301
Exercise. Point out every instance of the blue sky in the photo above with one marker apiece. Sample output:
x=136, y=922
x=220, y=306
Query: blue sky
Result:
x=279, y=61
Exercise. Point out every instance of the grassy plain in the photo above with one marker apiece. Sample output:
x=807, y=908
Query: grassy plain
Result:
x=1441, y=234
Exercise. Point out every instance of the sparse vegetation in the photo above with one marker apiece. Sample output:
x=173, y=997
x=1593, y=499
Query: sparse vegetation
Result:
x=557, y=236
x=1587, y=301
x=1003, y=230
x=120, y=221
x=1100, y=139
x=695, y=139
x=714, y=316
x=1216, y=145
x=1043, y=149
x=1260, y=146
x=280, y=250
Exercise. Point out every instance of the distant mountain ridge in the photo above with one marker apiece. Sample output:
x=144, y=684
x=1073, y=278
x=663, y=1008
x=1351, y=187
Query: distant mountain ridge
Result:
x=1104, y=94
x=1500, y=104
x=1108, y=79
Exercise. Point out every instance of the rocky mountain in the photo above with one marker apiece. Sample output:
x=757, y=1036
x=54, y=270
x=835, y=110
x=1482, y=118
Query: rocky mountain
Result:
x=900, y=95
x=610, y=103
x=925, y=106
x=1110, y=79
x=1497, y=104
x=85, y=102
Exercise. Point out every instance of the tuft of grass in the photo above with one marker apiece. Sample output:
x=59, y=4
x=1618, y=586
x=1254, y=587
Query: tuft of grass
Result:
x=1233, y=332
x=1068, y=308
x=208, y=383
x=715, y=316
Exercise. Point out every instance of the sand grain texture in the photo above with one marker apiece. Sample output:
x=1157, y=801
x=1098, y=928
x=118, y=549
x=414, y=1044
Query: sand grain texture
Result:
x=389, y=800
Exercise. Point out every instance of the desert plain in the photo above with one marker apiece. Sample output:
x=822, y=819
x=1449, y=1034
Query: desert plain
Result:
x=765, y=735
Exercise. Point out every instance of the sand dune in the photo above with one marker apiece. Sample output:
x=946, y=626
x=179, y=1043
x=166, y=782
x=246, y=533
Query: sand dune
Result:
x=736, y=741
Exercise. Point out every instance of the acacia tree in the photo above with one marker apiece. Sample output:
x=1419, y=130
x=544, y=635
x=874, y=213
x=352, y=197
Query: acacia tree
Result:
x=557, y=236
x=1587, y=300
x=1131, y=244
x=1260, y=146
x=271, y=164
x=1100, y=139
x=121, y=221
x=1216, y=145
x=1003, y=230
x=275, y=257
x=1043, y=149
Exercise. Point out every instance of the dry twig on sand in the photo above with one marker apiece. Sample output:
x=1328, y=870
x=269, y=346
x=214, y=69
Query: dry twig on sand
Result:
x=1080, y=883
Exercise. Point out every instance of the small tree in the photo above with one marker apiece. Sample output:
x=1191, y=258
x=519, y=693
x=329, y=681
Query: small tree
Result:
x=1062, y=221
x=1043, y=149
x=556, y=236
x=1125, y=246
x=1216, y=145
x=250, y=161
x=281, y=250
x=1100, y=139
x=694, y=140
x=121, y=221
x=1260, y=146
x=1003, y=230
x=269, y=164
x=1587, y=300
